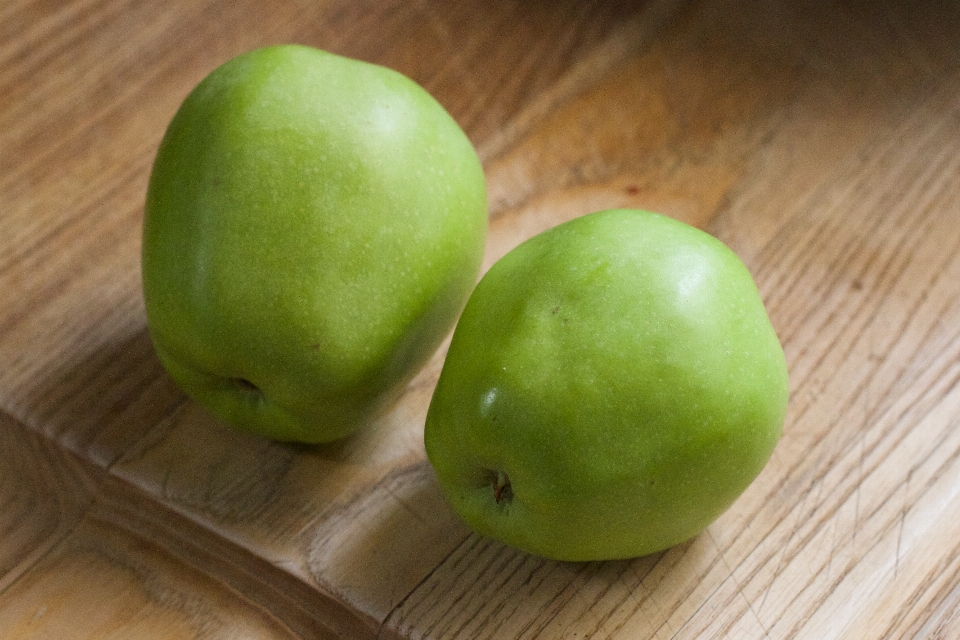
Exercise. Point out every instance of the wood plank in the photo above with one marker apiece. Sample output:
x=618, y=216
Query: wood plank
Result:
x=105, y=582
x=361, y=521
x=820, y=141
x=44, y=492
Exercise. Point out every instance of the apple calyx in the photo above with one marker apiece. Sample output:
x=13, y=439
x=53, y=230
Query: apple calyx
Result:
x=502, y=490
x=245, y=385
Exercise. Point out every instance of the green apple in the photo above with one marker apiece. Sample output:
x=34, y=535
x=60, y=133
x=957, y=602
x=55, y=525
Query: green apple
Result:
x=612, y=386
x=313, y=227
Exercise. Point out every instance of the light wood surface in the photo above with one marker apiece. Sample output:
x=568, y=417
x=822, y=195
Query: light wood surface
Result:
x=820, y=140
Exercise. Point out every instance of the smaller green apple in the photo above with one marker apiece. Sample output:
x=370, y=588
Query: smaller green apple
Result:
x=313, y=227
x=612, y=386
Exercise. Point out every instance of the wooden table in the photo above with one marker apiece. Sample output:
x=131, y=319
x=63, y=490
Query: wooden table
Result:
x=820, y=140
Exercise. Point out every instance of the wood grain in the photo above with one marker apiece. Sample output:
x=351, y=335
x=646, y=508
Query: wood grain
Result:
x=44, y=492
x=820, y=140
x=323, y=513
x=105, y=582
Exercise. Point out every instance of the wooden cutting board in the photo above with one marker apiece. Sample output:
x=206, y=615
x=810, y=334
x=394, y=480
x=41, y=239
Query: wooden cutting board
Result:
x=819, y=140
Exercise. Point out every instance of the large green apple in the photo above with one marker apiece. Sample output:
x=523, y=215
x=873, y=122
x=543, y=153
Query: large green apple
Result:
x=313, y=227
x=612, y=386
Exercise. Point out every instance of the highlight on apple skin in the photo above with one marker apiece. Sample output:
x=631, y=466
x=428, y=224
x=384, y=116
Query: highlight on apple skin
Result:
x=313, y=227
x=613, y=385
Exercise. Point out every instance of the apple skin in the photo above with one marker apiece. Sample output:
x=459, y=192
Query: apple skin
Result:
x=313, y=227
x=612, y=386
